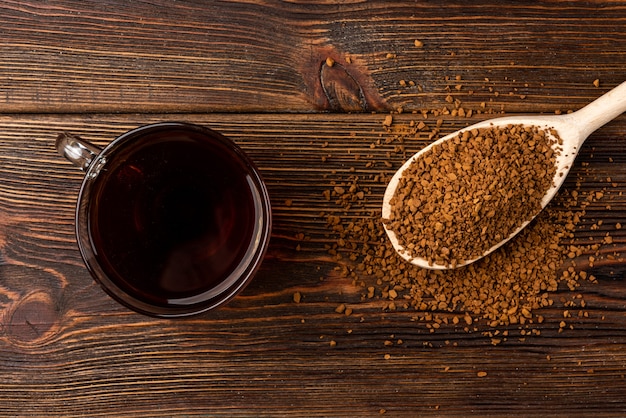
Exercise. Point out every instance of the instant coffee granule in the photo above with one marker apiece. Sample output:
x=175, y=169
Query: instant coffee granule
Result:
x=463, y=196
x=503, y=289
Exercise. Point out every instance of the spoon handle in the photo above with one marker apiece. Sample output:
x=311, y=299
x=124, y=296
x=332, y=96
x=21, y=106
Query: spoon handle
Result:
x=601, y=111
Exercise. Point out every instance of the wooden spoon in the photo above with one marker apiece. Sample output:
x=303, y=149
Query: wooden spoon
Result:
x=572, y=128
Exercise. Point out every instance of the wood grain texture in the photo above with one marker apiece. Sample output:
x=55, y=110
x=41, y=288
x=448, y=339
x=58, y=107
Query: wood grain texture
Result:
x=258, y=71
x=267, y=56
x=67, y=349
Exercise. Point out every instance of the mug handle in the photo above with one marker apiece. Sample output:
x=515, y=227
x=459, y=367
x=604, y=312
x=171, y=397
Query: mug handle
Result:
x=80, y=152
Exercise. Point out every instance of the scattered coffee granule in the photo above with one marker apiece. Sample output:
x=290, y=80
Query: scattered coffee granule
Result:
x=463, y=196
x=499, y=291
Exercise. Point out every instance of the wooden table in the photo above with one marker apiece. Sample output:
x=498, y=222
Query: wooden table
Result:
x=302, y=87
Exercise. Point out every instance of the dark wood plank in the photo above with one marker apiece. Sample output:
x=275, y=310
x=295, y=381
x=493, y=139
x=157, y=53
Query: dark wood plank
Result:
x=67, y=349
x=265, y=56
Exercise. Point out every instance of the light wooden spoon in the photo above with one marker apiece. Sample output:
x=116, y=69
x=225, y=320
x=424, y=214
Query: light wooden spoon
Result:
x=572, y=128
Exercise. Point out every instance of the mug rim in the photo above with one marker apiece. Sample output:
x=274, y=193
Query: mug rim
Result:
x=82, y=216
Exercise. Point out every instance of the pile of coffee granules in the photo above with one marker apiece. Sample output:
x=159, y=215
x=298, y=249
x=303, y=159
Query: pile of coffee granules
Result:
x=459, y=198
x=499, y=291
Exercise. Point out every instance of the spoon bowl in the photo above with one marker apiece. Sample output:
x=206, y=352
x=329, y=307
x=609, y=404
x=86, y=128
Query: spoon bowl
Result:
x=572, y=129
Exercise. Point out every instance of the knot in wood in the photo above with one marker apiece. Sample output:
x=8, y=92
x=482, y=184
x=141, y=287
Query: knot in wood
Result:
x=34, y=319
x=341, y=89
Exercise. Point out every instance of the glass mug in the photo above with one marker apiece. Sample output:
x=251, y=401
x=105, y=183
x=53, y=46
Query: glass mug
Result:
x=172, y=219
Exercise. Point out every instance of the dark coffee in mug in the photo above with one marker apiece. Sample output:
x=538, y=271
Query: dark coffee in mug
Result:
x=173, y=218
x=176, y=219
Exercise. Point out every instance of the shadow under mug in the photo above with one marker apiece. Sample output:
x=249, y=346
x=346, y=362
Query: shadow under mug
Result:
x=172, y=219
